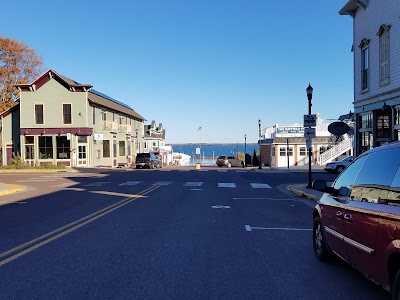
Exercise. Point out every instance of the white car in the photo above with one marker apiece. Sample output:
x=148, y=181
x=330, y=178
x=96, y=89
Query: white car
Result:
x=338, y=166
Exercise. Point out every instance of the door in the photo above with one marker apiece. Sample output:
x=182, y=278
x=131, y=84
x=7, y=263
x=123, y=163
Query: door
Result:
x=82, y=155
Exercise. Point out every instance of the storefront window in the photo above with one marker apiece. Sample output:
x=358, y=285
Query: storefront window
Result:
x=63, y=146
x=45, y=147
x=383, y=125
x=366, y=121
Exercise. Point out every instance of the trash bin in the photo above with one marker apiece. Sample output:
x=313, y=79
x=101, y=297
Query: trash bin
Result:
x=197, y=166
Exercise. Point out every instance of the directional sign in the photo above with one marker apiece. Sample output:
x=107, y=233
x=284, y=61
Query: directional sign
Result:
x=309, y=133
x=310, y=120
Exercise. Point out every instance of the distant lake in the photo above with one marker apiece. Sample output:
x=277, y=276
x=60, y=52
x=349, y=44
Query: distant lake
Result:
x=210, y=152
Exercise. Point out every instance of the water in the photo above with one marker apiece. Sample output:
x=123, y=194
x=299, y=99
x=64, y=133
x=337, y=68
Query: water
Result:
x=210, y=152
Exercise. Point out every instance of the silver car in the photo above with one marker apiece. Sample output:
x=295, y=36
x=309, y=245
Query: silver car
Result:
x=338, y=166
x=229, y=161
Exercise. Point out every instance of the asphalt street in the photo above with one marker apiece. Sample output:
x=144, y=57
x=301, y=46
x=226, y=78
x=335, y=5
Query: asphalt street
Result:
x=180, y=234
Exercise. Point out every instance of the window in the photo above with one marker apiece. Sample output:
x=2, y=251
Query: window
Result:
x=383, y=125
x=384, y=55
x=364, y=45
x=145, y=145
x=397, y=114
x=344, y=183
x=82, y=138
x=39, y=119
x=282, y=151
x=114, y=148
x=121, y=148
x=106, y=148
x=366, y=139
x=29, y=147
x=303, y=151
x=290, y=151
x=103, y=115
x=67, y=117
x=366, y=121
x=45, y=147
x=63, y=146
x=94, y=115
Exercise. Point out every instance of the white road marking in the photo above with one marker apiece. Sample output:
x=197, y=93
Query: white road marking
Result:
x=164, y=170
x=193, y=183
x=98, y=183
x=249, y=228
x=241, y=171
x=226, y=185
x=196, y=189
x=204, y=170
x=130, y=183
x=222, y=170
x=162, y=183
x=260, y=186
x=220, y=206
x=184, y=170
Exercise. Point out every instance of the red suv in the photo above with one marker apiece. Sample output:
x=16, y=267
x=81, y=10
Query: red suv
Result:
x=358, y=217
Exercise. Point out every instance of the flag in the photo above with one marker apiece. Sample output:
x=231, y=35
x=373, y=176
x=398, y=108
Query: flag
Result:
x=198, y=129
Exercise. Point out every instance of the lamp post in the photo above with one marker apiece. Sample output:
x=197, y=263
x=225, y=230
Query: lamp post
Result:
x=259, y=141
x=309, y=97
x=245, y=164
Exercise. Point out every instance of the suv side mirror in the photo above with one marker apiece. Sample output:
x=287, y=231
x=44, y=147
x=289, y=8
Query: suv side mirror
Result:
x=319, y=185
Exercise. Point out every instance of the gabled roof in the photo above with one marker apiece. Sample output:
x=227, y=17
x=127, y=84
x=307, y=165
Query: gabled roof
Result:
x=74, y=86
x=352, y=5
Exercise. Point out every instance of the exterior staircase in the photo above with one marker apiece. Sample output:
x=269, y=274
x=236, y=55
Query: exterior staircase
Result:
x=335, y=151
x=331, y=154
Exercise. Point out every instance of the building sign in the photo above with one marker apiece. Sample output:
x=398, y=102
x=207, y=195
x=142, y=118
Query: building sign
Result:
x=98, y=136
x=310, y=120
x=290, y=129
x=309, y=133
x=338, y=128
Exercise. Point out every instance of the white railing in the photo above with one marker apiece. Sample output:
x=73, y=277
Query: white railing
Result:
x=110, y=126
x=335, y=151
x=124, y=128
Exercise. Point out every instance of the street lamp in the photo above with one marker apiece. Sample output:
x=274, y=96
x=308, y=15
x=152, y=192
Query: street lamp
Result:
x=309, y=97
x=245, y=152
x=259, y=141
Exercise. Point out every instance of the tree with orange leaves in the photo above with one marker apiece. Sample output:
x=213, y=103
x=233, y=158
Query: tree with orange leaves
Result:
x=18, y=65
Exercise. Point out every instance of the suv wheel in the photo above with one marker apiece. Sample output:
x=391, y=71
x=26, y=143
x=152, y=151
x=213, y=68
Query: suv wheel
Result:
x=321, y=249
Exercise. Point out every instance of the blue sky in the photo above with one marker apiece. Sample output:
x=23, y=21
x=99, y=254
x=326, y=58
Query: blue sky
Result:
x=218, y=64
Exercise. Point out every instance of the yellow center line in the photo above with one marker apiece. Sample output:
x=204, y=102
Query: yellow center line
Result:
x=69, y=227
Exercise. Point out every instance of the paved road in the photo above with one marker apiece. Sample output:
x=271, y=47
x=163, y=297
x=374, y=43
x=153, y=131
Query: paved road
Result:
x=166, y=235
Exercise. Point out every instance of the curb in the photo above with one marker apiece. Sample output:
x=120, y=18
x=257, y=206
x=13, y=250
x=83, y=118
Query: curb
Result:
x=293, y=189
x=12, y=188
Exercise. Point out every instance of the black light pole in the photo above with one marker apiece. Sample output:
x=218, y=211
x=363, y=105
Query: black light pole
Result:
x=245, y=144
x=309, y=97
x=259, y=141
x=245, y=164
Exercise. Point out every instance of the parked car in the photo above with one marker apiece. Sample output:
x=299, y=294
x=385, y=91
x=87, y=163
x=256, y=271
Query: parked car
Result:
x=148, y=160
x=229, y=161
x=358, y=217
x=338, y=166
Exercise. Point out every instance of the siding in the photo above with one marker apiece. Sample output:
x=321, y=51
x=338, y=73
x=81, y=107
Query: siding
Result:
x=366, y=25
x=52, y=95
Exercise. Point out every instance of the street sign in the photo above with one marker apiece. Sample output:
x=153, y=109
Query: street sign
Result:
x=309, y=133
x=197, y=150
x=68, y=136
x=310, y=120
x=98, y=136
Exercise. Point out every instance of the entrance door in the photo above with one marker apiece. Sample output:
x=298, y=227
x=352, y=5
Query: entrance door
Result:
x=82, y=155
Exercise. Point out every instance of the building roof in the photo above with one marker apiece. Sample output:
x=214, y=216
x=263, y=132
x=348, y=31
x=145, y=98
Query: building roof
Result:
x=93, y=95
x=352, y=5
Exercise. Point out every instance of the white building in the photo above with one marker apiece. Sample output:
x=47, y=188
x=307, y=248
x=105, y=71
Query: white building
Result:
x=284, y=144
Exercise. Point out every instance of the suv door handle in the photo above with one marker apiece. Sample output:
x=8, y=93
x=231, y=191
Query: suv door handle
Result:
x=339, y=215
x=347, y=217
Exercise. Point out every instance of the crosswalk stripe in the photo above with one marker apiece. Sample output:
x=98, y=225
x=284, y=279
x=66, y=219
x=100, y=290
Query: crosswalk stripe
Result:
x=130, y=183
x=162, y=183
x=222, y=170
x=226, y=185
x=193, y=183
x=260, y=186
